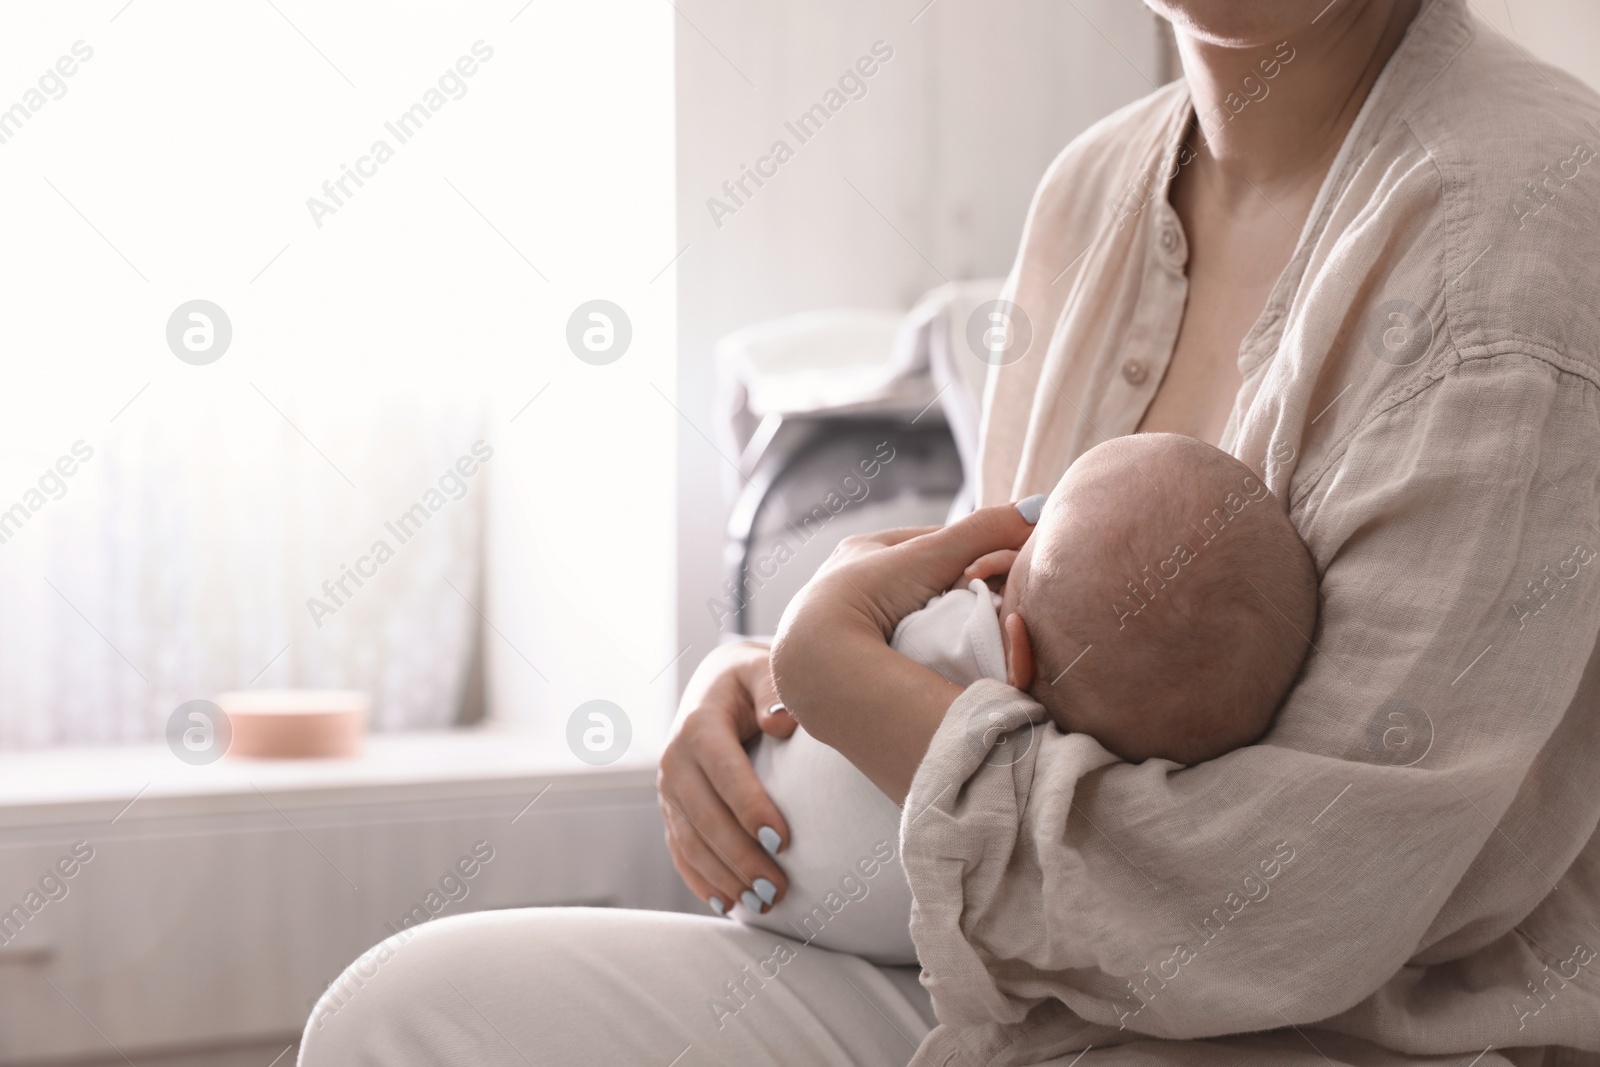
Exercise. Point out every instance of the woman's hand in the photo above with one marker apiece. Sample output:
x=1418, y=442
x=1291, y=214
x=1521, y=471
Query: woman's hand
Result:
x=832, y=660
x=722, y=829
x=994, y=565
x=886, y=576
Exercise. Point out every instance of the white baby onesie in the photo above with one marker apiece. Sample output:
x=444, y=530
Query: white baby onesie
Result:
x=847, y=889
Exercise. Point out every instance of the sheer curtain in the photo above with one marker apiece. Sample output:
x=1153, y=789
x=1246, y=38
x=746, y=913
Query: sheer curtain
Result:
x=395, y=318
x=167, y=572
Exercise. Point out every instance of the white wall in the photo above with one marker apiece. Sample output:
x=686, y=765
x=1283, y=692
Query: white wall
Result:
x=925, y=178
x=1564, y=32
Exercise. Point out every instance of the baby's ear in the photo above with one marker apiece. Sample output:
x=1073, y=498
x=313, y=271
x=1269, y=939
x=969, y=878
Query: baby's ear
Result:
x=1019, y=653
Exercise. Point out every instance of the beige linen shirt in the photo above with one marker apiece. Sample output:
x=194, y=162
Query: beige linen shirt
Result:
x=1407, y=865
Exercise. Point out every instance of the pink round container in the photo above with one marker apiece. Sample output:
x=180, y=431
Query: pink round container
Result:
x=295, y=723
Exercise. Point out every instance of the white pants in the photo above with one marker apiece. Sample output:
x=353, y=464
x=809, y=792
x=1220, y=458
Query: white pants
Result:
x=556, y=986
x=551, y=987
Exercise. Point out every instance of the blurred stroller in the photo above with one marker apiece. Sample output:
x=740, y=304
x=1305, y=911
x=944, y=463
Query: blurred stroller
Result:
x=843, y=422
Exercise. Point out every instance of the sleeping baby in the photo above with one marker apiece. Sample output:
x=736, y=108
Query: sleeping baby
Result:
x=1163, y=606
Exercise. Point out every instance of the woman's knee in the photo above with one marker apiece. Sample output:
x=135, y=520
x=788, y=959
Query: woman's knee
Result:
x=392, y=995
x=580, y=985
x=426, y=992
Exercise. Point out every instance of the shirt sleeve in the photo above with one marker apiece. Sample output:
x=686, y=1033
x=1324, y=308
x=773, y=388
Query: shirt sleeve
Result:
x=1284, y=882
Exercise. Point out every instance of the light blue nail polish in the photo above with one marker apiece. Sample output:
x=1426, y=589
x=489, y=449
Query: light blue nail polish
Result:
x=717, y=906
x=766, y=890
x=769, y=840
x=1032, y=507
x=750, y=901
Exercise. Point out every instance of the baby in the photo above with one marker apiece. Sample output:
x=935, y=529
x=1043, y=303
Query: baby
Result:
x=1162, y=605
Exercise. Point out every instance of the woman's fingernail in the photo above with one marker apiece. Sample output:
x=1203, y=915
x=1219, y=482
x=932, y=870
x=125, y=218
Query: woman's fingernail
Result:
x=1032, y=507
x=766, y=890
x=717, y=906
x=750, y=901
x=776, y=708
x=769, y=840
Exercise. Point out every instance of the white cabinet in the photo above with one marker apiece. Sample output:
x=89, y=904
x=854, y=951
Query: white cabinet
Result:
x=216, y=907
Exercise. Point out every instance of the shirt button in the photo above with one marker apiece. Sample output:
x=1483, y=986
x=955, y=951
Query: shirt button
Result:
x=1134, y=371
x=1169, y=239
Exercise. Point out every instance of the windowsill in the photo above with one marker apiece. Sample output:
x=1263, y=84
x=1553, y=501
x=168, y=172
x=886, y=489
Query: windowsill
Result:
x=147, y=781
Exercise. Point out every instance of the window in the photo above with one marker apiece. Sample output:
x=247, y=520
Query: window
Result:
x=291, y=400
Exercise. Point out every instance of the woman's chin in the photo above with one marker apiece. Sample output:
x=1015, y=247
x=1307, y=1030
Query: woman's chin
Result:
x=1240, y=23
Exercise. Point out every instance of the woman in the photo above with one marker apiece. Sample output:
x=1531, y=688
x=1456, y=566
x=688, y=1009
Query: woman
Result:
x=1357, y=248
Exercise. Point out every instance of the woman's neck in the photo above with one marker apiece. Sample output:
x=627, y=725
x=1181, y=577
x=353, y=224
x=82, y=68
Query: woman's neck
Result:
x=1271, y=119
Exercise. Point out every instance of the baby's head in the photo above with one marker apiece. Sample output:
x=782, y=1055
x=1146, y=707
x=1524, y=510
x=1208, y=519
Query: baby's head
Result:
x=1165, y=601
